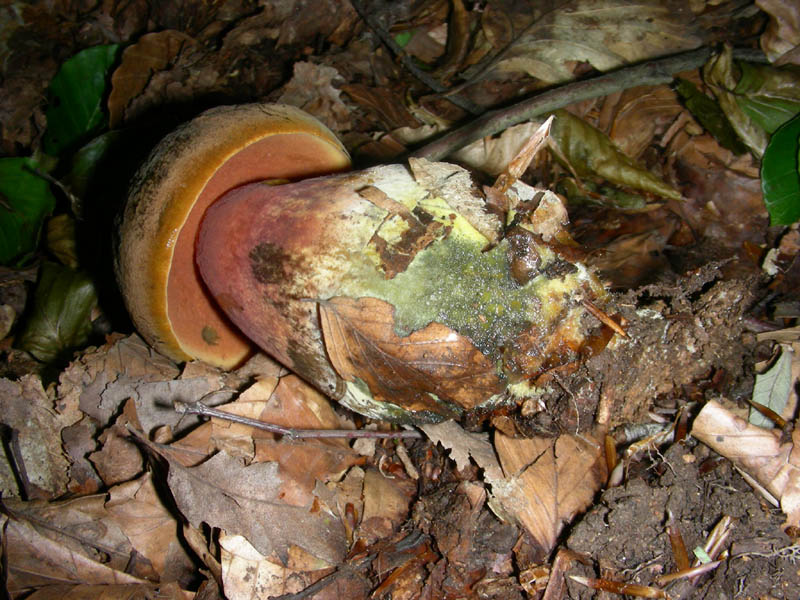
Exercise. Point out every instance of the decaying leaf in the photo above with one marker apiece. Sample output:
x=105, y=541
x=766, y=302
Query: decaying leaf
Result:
x=548, y=481
x=463, y=445
x=150, y=54
x=772, y=389
x=312, y=89
x=782, y=35
x=35, y=559
x=360, y=339
x=548, y=48
x=32, y=414
x=245, y=500
x=122, y=591
x=769, y=463
x=149, y=526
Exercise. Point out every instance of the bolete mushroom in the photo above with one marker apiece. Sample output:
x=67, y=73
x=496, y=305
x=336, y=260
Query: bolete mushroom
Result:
x=192, y=167
x=396, y=292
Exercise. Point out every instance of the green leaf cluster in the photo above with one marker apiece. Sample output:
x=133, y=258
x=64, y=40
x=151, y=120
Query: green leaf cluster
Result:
x=59, y=318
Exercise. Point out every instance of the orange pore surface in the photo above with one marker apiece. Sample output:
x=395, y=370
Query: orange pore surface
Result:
x=200, y=326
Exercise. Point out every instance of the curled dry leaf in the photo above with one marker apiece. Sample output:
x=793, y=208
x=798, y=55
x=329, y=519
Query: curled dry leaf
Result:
x=770, y=464
x=361, y=341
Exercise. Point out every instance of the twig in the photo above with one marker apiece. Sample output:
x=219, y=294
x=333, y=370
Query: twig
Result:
x=648, y=73
x=198, y=408
x=408, y=63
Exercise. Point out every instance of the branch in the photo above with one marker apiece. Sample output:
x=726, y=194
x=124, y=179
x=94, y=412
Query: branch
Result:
x=198, y=408
x=648, y=73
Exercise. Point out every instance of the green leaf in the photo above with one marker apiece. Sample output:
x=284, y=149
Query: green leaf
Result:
x=770, y=96
x=757, y=99
x=76, y=95
x=85, y=162
x=25, y=201
x=709, y=115
x=402, y=38
x=780, y=174
x=772, y=389
x=59, y=321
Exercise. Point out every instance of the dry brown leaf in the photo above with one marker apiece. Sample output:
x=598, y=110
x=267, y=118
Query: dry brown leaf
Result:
x=311, y=88
x=32, y=413
x=782, y=34
x=245, y=500
x=361, y=341
x=386, y=505
x=152, y=53
x=248, y=574
x=151, y=529
x=142, y=591
x=35, y=560
x=119, y=459
x=463, y=445
x=590, y=31
x=633, y=118
x=548, y=481
x=770, y=464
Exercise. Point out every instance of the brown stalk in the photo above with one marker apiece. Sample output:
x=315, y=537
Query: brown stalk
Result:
x=198, y=408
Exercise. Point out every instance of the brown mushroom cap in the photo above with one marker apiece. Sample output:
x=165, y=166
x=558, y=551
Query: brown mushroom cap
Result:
x=219, y=150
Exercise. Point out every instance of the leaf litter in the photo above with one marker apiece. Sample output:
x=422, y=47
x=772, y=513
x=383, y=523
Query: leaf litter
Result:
x=367, y=527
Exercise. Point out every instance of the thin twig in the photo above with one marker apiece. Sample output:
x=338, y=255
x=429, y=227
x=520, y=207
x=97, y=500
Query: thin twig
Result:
x=492, y=122
x=198, y=408
x=408, y=63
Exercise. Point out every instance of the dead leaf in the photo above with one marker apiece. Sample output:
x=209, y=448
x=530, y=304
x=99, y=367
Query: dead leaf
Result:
x=463, y=445
x=31, y=412
x=361, y=342
x=151, y=53
x=548, y=481
x=141, y=591
x=35, y=560
x=312, y=89
x=245, y=500
x=151, y=528
x=770, y=464
x=247, y=574
x=634, y=118
x=547, y=49
x=782, y=34
x=386, y=505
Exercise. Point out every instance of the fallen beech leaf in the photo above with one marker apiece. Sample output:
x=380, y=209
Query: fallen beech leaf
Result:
x=152, y=53
x=412, y=371
x=772, y=389
x=245, y=500
x=248, y=574
x=548, y=481
x=34, y=560
x=386, y=505
x=312, y=89
x=150, y=527
x=770, y=465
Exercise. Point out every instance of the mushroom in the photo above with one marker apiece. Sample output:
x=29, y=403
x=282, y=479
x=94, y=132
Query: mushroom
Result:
x=394, y=289
x=193, y=166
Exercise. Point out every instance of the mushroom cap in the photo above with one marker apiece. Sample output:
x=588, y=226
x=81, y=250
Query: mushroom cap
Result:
x=217, y=151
